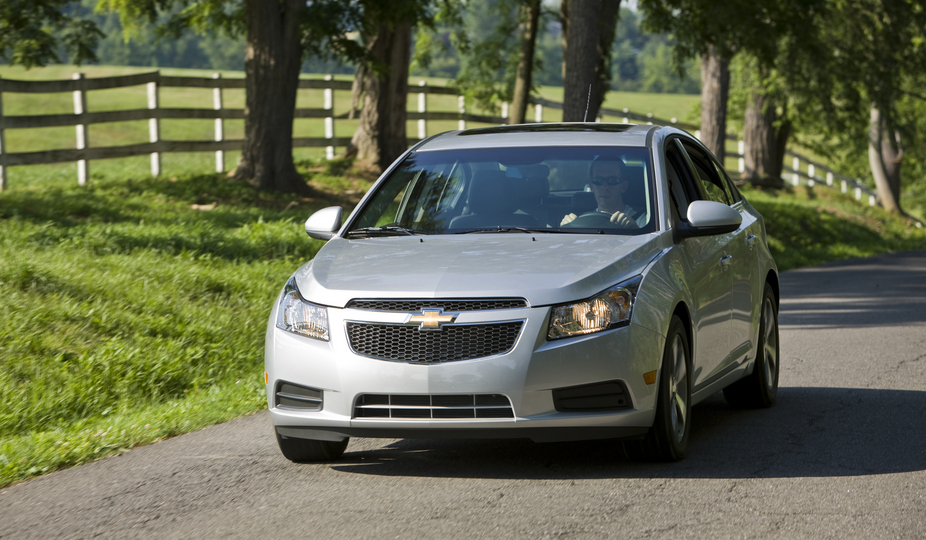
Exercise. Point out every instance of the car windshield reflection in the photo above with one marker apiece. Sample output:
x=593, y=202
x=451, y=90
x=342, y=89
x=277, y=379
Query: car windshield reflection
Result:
x=580, y=190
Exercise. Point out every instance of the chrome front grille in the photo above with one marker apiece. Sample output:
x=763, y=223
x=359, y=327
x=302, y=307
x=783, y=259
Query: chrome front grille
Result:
x=449, y=344
x=470, y=304
x=433, y=407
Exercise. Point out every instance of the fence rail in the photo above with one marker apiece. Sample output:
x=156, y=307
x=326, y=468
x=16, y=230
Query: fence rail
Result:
x=81, y=119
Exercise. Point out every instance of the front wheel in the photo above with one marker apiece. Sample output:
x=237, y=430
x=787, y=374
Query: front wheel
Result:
x=760, y=389
x=667, y=439
x=306, y=450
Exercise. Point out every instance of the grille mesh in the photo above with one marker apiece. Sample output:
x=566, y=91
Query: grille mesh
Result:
x=450, y=344
x=478, y=304
x=433, y=406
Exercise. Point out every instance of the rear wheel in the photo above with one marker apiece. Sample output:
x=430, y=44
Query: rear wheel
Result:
x=667, y=439
x=304, y=450
x=760, y=389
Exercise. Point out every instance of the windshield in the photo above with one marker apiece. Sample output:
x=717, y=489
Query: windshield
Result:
x=538, y=189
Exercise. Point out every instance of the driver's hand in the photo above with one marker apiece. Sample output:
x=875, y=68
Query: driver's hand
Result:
x=568, y=218
x=622, y=219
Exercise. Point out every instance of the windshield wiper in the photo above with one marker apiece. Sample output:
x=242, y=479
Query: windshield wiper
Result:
x=388, y=230
x=510, y=229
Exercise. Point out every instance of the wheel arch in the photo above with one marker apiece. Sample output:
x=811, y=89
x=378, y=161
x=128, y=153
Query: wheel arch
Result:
x=772, y=279
x=681, y=310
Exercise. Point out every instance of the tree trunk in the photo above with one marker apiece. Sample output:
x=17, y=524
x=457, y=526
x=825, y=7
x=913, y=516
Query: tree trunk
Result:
x=885, y=155
x=610, y=14
x=764, y=142
x=530, y=14
x=715, y=87
x=272, y=63
x=381, y=136
x=588, y=34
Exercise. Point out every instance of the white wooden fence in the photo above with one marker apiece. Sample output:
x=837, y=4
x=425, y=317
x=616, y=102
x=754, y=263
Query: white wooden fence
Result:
x=812, y=173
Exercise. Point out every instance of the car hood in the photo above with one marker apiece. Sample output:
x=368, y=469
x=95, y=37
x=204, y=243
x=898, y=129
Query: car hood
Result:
x=543, y=268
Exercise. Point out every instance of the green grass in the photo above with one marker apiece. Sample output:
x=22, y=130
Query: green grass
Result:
x=810, y=226
x=130, y=315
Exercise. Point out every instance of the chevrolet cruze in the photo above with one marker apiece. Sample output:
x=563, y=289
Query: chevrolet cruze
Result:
x=552, y=281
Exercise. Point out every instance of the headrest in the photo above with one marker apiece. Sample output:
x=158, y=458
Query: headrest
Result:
x=490, y=193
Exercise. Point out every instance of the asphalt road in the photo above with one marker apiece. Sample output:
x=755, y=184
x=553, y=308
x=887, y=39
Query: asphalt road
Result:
x=842, y=455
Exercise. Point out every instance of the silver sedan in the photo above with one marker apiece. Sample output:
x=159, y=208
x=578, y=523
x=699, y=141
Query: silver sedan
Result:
x=552, y=281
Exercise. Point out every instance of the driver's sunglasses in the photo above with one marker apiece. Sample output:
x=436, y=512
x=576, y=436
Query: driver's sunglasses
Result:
x=610, y=180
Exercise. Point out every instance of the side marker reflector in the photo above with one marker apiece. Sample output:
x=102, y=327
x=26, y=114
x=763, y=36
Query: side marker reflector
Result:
x=649, y=377
x=266, y=378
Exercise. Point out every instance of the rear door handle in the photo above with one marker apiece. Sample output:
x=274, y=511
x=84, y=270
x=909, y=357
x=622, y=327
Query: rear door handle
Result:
x=751, y=240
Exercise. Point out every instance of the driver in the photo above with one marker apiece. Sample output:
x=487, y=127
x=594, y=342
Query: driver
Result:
x=608, y=183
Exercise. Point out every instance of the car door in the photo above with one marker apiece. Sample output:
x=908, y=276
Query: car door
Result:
x=747, y=283
x=739, y=259
x=709, y=282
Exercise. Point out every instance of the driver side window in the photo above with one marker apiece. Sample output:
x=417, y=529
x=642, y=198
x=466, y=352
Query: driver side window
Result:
x=681, y=192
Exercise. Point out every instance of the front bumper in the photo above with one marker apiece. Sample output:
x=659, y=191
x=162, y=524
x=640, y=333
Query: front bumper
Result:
x=527, y=376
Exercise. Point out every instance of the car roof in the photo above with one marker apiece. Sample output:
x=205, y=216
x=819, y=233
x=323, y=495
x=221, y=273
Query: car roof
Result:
x=549, y=134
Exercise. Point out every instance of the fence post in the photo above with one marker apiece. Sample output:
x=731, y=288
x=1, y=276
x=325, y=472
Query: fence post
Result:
x=796, y=176
x=2, y=168
x=80, y=107
x=845, y=187
x=505, y=113
x=829, y=178
x=697, y=134
x=422, y=108
x=538, y=113
x=461, y=104
x=153, y=126
x=649, y=115
x=872, y=201
x=811, y=171
x=219, y=123
x=741, y=150
x=626, y=120
x=329, y=120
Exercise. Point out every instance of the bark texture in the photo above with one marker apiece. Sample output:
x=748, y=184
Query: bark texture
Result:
x=885, y=154
x=765, y=142
x=272, y=63
x=530, y=14
x=381, y=137
x=588, y=32
x=715, y=89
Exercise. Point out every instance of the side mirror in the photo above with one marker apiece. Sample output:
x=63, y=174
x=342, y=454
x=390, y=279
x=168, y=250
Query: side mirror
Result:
x=707, y=218
x=324, y=224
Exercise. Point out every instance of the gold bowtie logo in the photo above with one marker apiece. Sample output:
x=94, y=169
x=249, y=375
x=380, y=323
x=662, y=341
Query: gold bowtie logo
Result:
x=431, y=319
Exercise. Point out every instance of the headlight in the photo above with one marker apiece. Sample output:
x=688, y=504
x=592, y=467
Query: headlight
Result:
x=300, y=317
x=609, y=309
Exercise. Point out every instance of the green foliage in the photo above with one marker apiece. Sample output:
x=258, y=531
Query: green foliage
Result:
x=33, y=31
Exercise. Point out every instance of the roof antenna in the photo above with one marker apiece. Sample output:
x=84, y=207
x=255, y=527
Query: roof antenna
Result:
x=587, y=102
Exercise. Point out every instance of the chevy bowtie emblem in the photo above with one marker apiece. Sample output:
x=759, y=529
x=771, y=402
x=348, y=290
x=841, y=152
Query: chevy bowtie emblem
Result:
x=431, y=319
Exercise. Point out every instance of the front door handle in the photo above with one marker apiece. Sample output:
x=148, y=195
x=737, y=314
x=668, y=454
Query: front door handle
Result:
x=751, y=240
x=725, y=261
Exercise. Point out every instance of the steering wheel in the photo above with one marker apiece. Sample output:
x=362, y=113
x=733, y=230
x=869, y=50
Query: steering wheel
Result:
x=592, y=220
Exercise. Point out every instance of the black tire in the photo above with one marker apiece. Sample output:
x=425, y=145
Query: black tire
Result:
x=667, y=439
x=759, y=389
x=307, y=450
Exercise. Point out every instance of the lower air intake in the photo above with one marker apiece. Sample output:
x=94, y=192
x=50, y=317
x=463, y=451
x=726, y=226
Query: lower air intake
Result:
x=302, y=398
x=603, y=396
x=433, y=407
